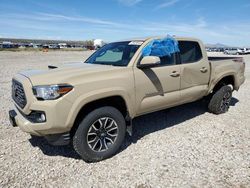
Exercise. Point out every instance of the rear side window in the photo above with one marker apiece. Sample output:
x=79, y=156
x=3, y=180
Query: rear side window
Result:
x=190, y=51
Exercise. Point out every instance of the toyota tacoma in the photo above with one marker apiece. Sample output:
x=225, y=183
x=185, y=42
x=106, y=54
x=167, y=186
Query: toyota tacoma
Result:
x=92, y=104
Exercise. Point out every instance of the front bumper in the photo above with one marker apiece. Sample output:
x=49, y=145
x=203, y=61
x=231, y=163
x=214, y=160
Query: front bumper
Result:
x=56, y=112
x=17, y=119
x=56, y=118
x=12, y=116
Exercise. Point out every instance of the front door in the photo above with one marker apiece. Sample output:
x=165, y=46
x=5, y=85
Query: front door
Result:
x=158, y=87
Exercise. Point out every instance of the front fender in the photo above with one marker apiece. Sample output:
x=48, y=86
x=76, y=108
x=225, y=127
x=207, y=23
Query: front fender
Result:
x=96, y=95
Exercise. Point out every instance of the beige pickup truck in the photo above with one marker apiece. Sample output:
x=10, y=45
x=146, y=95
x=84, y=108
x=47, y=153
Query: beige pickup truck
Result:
x=92, y=104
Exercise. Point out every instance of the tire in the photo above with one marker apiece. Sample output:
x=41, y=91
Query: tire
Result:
x=93, y=140
x=220, y=100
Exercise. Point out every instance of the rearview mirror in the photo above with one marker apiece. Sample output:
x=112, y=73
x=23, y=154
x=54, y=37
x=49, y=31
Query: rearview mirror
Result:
x=149, y=61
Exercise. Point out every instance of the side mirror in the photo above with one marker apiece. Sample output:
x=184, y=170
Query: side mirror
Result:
x=149, y=61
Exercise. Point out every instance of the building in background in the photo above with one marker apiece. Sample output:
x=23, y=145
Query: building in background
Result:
x=98, y=43
x=62, y=45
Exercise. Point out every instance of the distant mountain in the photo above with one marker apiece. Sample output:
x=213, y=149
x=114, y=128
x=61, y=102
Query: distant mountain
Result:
x=217, y=45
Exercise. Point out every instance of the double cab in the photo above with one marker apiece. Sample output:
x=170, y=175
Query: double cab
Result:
x=93, y=103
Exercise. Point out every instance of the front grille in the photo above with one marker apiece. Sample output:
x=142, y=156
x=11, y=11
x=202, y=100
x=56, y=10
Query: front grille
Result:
x=18, y=94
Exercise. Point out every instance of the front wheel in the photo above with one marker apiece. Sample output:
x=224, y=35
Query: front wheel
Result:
x=100, y=134
x=220, y=100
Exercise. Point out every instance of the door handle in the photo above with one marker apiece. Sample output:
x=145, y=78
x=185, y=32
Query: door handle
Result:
x=175, y=74
x=203, y=69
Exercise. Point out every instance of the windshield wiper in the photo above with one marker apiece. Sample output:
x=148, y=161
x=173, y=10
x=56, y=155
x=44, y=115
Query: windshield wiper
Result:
x=101, y=63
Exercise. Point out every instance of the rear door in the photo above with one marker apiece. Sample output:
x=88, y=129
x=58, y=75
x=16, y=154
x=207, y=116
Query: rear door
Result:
x=195, y=70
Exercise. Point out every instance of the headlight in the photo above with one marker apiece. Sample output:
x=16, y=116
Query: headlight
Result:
x=51, y=92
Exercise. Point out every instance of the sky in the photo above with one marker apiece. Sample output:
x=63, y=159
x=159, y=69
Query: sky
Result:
x=213, y=21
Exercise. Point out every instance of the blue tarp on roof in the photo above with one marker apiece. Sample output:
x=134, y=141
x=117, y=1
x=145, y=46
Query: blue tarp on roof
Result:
x=161, y=47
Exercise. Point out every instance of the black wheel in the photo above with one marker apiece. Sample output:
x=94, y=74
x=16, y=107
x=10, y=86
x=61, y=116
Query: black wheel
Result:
x=100, y=134
x=220, y=100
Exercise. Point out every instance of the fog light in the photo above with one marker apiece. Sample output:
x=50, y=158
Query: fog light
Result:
x=37, y=117
x=42, y=118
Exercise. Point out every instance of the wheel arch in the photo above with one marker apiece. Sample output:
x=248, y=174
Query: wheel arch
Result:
x=116, y=101
x=224, y=80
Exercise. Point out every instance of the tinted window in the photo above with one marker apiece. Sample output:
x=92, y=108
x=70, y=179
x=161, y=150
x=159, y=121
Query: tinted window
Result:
x=168, y=60
x=190, y=52
x=116, y=54
x=112, y=55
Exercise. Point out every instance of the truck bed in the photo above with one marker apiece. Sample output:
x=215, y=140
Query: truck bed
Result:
x=221, y=64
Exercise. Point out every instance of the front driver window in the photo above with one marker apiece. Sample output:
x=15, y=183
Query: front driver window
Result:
x=165, y=49
x=168, y=60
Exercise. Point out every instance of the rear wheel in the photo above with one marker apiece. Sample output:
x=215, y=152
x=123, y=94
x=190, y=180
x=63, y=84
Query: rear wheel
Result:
x=100, y=134
x=220, y=100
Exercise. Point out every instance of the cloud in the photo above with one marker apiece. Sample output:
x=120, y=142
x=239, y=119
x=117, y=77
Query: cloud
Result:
x=167, y=3
x=130, y=2
x=49, y=16
x=75, y=27
x=201, y=23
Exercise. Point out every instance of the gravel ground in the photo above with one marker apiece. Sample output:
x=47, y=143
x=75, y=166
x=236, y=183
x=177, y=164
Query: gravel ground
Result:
x=183, y=146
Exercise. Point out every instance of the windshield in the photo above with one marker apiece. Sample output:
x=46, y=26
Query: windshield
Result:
x=116, y=54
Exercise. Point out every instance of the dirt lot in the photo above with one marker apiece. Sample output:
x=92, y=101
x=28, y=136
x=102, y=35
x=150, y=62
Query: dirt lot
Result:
x=180, y=147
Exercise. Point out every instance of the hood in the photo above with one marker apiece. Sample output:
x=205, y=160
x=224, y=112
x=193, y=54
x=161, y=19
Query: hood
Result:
x=66, y=73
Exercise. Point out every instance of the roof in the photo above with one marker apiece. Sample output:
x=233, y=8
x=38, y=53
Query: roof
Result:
x=157, y=37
